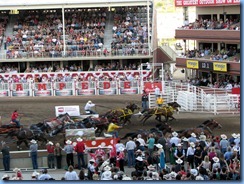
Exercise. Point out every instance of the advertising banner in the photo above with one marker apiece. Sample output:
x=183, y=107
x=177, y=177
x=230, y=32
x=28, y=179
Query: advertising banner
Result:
x=192, y=64
x=86, y=92
x=20, y=89
x=107, y=91
x=85, y=133
x=73, y=110
x=149, y=87
x=63, y=88
x=3, y=93
x=221, y=67
x=21, y=93
x=130, y=91
x=179, y=3
x=65, y=92
x=43, y=93
x=42, y=89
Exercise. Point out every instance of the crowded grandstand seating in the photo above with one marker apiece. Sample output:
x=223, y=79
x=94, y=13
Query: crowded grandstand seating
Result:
x=3, y=23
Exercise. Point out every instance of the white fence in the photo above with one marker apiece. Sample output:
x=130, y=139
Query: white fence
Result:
x=197, y=99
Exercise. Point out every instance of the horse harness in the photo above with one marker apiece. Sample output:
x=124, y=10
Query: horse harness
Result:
x=166, y=108
x=129, y=112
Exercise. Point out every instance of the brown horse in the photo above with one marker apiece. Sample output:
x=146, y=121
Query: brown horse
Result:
x=25, y=134
x=122, y=115
x=206, y=127
x=166, y=111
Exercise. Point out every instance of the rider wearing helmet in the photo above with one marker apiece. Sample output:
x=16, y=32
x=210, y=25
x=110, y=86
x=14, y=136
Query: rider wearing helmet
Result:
x=88, y=107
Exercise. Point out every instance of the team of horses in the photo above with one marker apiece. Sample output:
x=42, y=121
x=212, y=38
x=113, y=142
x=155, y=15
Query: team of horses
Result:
x=43, y=131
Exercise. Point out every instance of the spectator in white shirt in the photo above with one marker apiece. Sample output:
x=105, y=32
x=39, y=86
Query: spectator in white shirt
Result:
x=71, y=174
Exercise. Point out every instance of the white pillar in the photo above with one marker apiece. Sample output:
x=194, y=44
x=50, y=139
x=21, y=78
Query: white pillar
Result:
x=63, y=30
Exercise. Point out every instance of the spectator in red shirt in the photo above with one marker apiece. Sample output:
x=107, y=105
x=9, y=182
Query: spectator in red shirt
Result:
x=80, y=149
x=50, y=156
x=14, y=117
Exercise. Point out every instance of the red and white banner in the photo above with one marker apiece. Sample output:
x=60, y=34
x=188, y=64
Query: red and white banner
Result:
x=149, y=87
x=179, y=3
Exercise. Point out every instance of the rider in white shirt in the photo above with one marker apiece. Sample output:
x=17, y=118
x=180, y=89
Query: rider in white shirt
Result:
x=88, y=107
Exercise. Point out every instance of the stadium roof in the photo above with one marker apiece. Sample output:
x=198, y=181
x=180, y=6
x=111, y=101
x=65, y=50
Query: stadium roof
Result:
x=51, y=4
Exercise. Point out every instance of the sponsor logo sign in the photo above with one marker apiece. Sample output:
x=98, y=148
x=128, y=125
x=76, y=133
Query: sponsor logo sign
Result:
x=129, y=91
x=73, y=110
x=86, y=91
x=192, y=64
x=222, y=67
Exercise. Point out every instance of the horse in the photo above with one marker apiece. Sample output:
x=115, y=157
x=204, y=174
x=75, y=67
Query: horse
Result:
x=100, y=124
x=166, y=111
x=206, y=127
x=165, y=128
x=122, y=115
x=57, y=124
x=25, y=134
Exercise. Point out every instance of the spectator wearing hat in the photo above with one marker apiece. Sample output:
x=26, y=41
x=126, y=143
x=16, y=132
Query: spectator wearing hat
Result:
x=34, y=175
x=185, y=144
x=71, y=174
x=161, y=156
x=33, y=153
x=121, y=158
x=6, y=156
x=91, y=168
x=69, y=148
x=80, y=150
x=118, y=145
x=224, y=143
x=5, y=177
x=100, y=152
x=178, y=165
x=202, y=141
x=174, y=138
x=130, y=148
x=44, y=175
x=215, y=164
x=198, y=155
x=50, y=156
x=107, y=174
x=193, y=138
x=190, y=155
x=88, y=107
x=18, y=175
x=139, y=165
x=58, y=155
x=179, y=153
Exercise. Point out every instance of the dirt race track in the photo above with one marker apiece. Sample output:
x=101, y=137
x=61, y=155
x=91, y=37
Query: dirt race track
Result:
x=36, y=109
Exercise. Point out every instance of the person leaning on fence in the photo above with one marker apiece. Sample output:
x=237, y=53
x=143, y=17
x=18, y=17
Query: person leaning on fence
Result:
x=6, y=156
x=33, y=153
x=14, y=118
x=144, y=100
x=50, y=156
x=80, y=150
x=88, y=107
x=69, y=149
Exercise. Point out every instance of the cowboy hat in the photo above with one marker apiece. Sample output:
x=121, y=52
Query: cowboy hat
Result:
x=199, y=178
x=179, y=144
x=92, y=160
x=175, y=134
x=237, y=135
x=234, y=135
x=160, y=146
x=110, y=147
x=194, y=172
x=173, y=174
x=126, y=178
x=16, y=169
x=33, y=141
x=107, y=168
x=89, y=101
x=139, y=158
x=50, y=143
x=193, y=134
x=216, y=159
x=185, y=139
x=68, y=142
x=79, y=139
x=122, y=149
x=138, y=151
x=223, y=136
x=202, y=137
x=35, y=174
x=151, y=167
x=5, y=176
x=179, y=161
x=107, y=175
x=192, y=144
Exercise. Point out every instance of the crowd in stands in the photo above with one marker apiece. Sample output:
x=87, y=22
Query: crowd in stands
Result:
x=230, y=24
x=194, y=158
x=39, y=33
x=130, y=31
x=230, y=54
x=3, y=23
